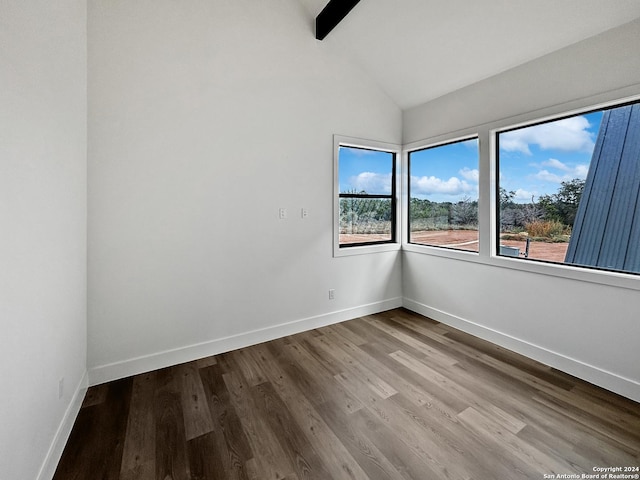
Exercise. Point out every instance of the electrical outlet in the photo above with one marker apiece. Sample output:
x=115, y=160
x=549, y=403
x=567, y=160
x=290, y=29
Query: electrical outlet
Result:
x=61, y=388
x=332, y=294
x=282, y=213
x=304, y=213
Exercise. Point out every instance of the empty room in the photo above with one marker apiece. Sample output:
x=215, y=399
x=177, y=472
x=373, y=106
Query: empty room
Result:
x=313, y=239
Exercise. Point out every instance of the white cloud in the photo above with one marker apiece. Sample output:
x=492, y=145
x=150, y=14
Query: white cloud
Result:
x=567, y=172
x=470, y=174
x=568, y=134
x=555, y=163
x=547, y=176
x=524, y=195
x=371, y=182
x=580, y=171
x=433, y=185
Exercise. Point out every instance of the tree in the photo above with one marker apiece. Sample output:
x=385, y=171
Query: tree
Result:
x=529, y=213
x=364, y=215
x=508, y=209
x=465, y=212
x=563, y=205
x=506, y=197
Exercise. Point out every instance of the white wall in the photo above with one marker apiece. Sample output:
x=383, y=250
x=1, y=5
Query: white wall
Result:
x=588, y=329
x=43, y=230
x=598, y=65
x=205, y=117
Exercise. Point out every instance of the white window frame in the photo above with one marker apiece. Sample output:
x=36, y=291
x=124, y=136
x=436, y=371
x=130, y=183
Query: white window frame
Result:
x=417, y=146
x=487, y=211
x=345, y=141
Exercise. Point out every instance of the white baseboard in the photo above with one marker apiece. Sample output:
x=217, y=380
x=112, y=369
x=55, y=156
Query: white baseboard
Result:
x=48, y=468
x=147, y=363
x=608, y=380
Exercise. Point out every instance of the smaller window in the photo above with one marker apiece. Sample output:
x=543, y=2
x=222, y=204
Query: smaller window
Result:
x=367, y=196
x=443, y=195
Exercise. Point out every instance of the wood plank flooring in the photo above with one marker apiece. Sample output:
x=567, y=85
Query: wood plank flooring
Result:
x=387, y=396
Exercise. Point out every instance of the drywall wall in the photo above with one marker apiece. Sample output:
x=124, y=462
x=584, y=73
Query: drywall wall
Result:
x=43, y=240
x=206, y=118
x=590, y=330
x=595, y=66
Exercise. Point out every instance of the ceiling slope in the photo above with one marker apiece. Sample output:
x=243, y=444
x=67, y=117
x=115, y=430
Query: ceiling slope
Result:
x=418, y=50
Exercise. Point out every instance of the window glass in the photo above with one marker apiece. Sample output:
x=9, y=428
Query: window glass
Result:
x=568, y=190
x=366, y=195
x=443, y=195
x=365, y=171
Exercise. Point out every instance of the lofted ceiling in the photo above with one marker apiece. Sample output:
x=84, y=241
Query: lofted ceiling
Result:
x=418, y=50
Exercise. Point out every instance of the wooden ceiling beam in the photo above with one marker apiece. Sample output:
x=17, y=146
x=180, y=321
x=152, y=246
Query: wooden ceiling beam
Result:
x=331, y=15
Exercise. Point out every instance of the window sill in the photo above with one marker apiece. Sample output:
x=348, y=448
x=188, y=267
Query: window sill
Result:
x=365, y=249
x=601, y=277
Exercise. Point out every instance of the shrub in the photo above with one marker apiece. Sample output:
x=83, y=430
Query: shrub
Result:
x=547, y=229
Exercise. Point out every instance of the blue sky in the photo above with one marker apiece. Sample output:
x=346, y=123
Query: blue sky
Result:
x=533, y=162
x=447, y=173
x=365, y=170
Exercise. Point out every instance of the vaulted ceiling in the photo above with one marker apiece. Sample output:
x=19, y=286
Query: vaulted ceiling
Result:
x=418, y=50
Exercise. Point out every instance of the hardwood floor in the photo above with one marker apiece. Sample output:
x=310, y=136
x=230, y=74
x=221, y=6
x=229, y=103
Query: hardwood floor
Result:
x=388, y=396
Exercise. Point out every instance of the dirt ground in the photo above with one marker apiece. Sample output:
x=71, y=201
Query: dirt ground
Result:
x=551, y=252
x=468, y=240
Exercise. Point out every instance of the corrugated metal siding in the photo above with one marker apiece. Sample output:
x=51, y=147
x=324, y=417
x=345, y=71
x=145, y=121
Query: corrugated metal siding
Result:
x=606, y=232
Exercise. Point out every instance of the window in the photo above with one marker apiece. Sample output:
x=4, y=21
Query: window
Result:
x=443, y=195
x=568, y=190
x=366, y=194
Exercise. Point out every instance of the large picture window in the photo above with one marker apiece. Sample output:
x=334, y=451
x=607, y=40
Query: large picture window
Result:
x=367, y=196
x=443, y=195
x=568, y=190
